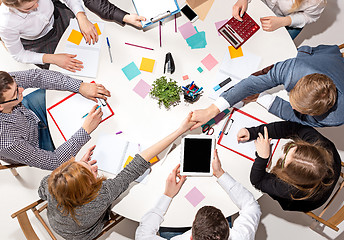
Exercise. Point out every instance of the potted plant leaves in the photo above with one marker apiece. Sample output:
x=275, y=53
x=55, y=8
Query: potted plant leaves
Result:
x=166, y=92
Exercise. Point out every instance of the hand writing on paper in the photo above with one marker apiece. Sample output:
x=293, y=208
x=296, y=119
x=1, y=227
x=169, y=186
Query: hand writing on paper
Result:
x=216, y=164
x=64, y=60
x=202, y=116
x=87, y=29
x=172, y=185
x=263, y=144
x=93, y=119
x=272, y=23
x=239, y=8
x=134, y=19
x=93, y=91
x=243, y=135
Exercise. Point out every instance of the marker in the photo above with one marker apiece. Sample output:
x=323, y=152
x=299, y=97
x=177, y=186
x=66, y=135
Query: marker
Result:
x=119, y=132
x=87, y=113
x=217, y=87
x=139, y=46
x=108, y=43
x=198, y=90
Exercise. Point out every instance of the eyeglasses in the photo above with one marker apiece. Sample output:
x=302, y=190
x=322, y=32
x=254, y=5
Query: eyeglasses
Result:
x=12, y=99
x=286, y=153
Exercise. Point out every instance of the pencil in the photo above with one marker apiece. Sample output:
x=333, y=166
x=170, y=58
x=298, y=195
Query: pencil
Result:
x=139, y=46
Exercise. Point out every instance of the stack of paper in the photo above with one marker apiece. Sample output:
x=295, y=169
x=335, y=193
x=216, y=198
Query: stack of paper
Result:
x=88, y=54
x=193, y=38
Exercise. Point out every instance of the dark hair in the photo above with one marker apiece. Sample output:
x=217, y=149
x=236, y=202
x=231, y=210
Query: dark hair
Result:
x=5, y=81
x=314, y=94
x=311, y=170
x=210, y=224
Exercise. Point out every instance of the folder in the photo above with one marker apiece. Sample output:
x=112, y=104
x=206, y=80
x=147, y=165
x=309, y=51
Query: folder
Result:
x=155, y=10
x=237, y=120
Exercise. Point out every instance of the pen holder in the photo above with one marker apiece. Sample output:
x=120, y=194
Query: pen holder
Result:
x=189, y=97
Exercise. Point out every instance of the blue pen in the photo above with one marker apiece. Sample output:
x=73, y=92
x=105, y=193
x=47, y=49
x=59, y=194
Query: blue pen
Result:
x=108, y=43
x=87, y=113
x=198, y=90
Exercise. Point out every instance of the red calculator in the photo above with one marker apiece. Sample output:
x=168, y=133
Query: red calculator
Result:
x=236, y=32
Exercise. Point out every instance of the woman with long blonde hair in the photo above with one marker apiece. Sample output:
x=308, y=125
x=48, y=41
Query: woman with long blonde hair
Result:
x=292, y=14
x=305, y=176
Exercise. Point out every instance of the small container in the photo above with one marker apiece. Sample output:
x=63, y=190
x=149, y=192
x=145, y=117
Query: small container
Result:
x=191, y=97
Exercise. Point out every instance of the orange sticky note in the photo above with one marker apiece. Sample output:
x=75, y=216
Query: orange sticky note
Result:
x=147, y=64
x=235, y=52
x=98, y=30
x=130, y=158
x=154, y=159
x=75, y=37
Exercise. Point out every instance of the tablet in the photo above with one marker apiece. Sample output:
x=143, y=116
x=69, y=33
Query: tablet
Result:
x=197, y=152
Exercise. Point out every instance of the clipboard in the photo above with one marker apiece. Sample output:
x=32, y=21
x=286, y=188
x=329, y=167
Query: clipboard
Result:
x=68, y=113
x=228, y=137
x=155, y=10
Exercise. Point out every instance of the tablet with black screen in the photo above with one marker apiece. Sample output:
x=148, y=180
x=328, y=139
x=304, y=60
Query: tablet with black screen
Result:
x=197, y=152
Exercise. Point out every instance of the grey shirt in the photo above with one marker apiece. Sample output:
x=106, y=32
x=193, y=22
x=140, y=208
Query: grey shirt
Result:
x=92, y=215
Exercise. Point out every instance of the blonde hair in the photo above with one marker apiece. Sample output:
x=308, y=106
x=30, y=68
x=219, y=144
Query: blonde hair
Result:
x=310, y=171
x=314, y=94
x=73, y=185
x=296, y=5
x=14, y=3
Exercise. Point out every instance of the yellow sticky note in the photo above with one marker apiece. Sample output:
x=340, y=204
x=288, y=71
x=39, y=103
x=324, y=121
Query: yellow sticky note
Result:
x=130, y=158
x=147, y=64
x=154, y=159
x=75, y=37
x=235, y=52
x=97, y=27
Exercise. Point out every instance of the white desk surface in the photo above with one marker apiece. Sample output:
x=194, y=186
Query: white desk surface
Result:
x=141, y=120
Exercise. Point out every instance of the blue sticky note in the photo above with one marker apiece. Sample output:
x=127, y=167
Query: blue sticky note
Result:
x=197, y=40
x=200, y=69
x=131, y=71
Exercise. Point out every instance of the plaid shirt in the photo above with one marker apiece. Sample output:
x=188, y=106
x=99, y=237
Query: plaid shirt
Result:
x=19, y=141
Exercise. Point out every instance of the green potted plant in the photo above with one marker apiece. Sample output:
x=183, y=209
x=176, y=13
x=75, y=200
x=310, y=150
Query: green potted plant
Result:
x=166, y=92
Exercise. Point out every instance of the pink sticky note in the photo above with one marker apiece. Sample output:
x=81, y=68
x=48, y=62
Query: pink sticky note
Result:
x=219, y=117
x=220, y=24
x=194, y=196
x=187, y=30
x=185, y=77
x=142, y=88
x=209, y=62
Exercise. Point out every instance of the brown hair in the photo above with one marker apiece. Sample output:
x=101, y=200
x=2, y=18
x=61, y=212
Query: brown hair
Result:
x=14, y=3
x=310, y=171
x=314, y=94
x=73, y=185
x=210, y=224
x=5, y=81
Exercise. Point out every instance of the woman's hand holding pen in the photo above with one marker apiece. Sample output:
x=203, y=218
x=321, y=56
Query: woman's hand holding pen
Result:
x=93, y=91
x=93, y=119
x=243, y=135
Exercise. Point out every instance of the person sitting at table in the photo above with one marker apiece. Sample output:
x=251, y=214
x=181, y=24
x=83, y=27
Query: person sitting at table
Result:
x=314, y=80
x=293, y=15
x=24, y=135
x=31, y=30
x=108, y=11
x=209, y=223
x=79, y=201
x=305, y=176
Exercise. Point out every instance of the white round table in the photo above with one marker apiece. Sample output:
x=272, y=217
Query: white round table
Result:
x=141, y=120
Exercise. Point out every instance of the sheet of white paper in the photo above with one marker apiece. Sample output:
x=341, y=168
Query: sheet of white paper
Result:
x=68, y=115
x=230, y=140
x=152, y=8
x=109, y=153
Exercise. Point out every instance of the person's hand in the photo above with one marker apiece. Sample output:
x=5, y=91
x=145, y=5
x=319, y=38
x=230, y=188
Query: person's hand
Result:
x=243, y=135
x=186, y=123
x=263, y=144
x=272, y=23
x=134, y=19
x=202, y=116
x=93, y=91
x=251, y=98
x=216, y=164
x=87, y=159
x=239, y=8
x=172, y=185
x=64, y=60
x=87, y=29
x=93, y=119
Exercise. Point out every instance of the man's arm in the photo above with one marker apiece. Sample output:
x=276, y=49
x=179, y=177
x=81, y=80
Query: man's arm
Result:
x=106, y=10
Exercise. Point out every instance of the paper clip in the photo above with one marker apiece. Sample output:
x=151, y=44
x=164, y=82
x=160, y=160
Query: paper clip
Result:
x=228, y=126
x=160, y=16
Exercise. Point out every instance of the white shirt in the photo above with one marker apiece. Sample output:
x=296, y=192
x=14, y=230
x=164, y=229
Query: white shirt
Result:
x=308, y=12
x=33, y=25
x=244, y=227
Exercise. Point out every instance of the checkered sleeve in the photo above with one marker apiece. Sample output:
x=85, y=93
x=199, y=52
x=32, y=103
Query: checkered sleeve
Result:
x=24, y=152
x=46, y=79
